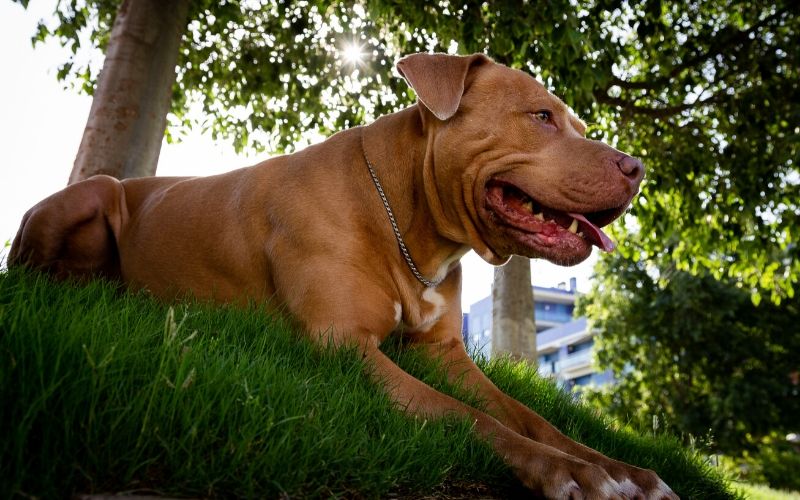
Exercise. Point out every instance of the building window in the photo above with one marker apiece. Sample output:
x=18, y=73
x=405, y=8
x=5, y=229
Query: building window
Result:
x=547, y=358
x=580, y=381
x=580, y=347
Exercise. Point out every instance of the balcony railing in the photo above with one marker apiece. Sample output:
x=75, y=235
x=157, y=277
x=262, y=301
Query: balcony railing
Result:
x=578, y=359
x=554, y=316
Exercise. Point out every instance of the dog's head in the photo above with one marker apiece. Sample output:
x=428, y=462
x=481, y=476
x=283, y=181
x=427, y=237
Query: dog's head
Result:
x=509, y=165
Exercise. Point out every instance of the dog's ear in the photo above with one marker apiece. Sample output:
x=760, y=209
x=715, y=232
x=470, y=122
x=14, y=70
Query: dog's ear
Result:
x=438, y=79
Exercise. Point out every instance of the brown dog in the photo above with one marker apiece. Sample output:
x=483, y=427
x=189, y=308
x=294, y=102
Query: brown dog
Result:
x=487, y=160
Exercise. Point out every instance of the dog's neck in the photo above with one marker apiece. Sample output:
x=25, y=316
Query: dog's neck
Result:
x=403, y=169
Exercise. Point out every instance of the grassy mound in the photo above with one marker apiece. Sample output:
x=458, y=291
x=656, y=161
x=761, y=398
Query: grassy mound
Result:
x=106, y=391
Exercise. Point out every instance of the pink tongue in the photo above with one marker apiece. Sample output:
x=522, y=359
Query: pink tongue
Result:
x=597, y=237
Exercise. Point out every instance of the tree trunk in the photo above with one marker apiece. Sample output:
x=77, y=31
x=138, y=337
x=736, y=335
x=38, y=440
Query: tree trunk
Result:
x=129, y=111
x=513, y=324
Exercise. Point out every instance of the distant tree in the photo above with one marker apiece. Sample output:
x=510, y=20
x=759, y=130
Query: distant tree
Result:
x=513, y=320
x=695, y=353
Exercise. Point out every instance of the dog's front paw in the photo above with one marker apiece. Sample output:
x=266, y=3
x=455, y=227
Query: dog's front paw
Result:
x=639, y=484
x=561, y=476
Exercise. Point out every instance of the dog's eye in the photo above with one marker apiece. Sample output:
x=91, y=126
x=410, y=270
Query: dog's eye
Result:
x=543, y=116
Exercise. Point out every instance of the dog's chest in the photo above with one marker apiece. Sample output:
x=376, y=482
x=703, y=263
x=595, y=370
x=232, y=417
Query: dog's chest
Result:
x=420, y=315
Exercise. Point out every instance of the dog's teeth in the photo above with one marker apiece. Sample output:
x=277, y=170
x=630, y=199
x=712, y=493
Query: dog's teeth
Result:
x=580, y=233
x=528, y=206
x=539, y=216
x=573, y=228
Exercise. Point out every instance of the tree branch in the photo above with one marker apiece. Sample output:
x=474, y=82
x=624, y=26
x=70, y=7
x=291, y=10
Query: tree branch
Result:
x=662, y=113
x=715, y=48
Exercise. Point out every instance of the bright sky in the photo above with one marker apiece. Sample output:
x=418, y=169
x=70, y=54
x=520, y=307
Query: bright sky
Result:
x=41, y=125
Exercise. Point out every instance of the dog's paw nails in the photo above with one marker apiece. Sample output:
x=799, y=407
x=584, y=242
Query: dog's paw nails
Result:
x=572, y=491
x=611, y=489
x=630, y=490
x=608, y=489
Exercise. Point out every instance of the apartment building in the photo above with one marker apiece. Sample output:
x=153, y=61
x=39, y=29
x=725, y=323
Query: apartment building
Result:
x=565, y=353
x=564, y=344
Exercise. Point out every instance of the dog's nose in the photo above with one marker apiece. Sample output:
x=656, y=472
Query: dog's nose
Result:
x=631, y=167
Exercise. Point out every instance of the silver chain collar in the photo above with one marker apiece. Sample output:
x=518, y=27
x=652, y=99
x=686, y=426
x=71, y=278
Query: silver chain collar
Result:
x=400, y=242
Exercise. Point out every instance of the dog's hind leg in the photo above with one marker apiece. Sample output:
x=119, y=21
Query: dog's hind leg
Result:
x=74, y=232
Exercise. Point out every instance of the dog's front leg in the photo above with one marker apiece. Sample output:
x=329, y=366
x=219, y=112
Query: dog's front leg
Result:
x=636, y=482
x=541, y=468
x=340, y=320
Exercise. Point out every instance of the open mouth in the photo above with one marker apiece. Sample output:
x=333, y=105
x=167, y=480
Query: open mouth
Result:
x=548, y=227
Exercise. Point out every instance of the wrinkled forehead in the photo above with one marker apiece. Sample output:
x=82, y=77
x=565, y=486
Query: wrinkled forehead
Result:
x=526, y=90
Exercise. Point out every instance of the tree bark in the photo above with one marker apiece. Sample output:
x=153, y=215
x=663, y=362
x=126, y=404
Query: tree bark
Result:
x=128, y=116
x=513, y=322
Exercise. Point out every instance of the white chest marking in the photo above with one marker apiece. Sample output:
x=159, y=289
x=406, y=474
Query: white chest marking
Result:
x=398, y=313
x=437, y=300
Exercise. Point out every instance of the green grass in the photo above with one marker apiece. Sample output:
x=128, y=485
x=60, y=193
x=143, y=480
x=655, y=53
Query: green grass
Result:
x=761, y=492
x=106, y=391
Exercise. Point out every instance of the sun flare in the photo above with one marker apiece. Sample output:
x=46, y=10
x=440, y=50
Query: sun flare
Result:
x=352, y=53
